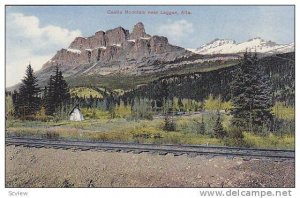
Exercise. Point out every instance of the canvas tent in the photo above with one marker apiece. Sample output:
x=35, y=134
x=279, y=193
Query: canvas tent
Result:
x=75, y=114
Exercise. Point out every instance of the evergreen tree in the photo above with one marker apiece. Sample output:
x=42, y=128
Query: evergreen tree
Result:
x=44, y=97
x=169, y=123
x=251, y=95
x=219, y=131
x=63, y=89
x=57, y=93
x=262, y=97
x=202, y=129
x=180, y=104
x=29, y=101
x=50, y=97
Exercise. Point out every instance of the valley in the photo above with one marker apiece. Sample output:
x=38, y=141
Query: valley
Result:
x=134, y=87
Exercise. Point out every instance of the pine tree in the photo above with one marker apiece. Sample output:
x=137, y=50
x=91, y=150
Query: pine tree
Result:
x=219, y=131
x=57, y=93
x=262, y=97
x=202, y=129
x=29, y=94
x=50, y=97
x=180, y=104
x=63, y=89
x=251, y=95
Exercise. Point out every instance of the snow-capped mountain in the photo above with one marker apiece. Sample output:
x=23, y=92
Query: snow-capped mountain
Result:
x=225, y=46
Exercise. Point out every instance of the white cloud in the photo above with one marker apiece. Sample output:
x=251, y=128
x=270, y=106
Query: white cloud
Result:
x=176, y=29
x=27, y=41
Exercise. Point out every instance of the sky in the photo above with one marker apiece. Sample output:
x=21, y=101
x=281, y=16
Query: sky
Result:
x=35, y=33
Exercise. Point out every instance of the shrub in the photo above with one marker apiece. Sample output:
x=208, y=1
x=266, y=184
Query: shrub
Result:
x=52, y=135
x=94, y=113
x=236, y=133
x=236, y=142
x=146, y=132
x=200, y=126
x=219, y=131
x=142, y=109
x=9, y=107
x=41, y=115
x=217, y=104
x=269, y=141
x=169, y=124
x=236, y=138
x=123, y=111
x=284, y=112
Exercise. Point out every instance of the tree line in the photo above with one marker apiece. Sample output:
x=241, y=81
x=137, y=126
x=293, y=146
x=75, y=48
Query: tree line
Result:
x=251, y=86
x=199, y=85
x=31, y=99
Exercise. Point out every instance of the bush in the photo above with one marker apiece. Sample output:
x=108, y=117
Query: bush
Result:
x=284, y=112
x=146, y=133
x=236, y=138
x=94, y=113
x=41, y=116
x=236, y=142
x=200, y=126
x=269, y=141
x=169, y=124
x=236, y=133
x=219, y=131
x=142, y=109
x=123, y=111
x=52, y=135
x=282, y=127
x=9, y=107
x=212, y=103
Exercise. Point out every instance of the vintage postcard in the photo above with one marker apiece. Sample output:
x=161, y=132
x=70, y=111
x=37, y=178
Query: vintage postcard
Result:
x=195, y=96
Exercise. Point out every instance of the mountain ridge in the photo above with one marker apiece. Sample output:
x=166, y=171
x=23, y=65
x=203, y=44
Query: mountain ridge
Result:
x=119, y=51
x=117, y=47
x=257, y=44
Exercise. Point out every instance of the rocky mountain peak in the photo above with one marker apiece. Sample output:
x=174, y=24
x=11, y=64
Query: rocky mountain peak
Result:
x=138, y=31
x=116, y=36
x=117, y=47
x=258, y=39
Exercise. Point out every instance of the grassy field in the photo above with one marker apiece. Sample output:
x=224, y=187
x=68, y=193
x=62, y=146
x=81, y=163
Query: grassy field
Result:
x=143, y=131
x=146, y=131
x=85, y=92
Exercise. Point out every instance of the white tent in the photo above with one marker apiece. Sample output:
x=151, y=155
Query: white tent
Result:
x=75, y=115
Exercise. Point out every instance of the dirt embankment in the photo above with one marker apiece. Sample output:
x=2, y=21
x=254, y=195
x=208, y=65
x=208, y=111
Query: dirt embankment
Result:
x=47, y=167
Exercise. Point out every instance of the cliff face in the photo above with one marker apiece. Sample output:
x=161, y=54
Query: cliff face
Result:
x=116, y=47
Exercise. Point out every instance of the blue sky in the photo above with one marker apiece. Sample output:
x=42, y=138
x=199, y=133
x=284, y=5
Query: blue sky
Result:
x=35, y=33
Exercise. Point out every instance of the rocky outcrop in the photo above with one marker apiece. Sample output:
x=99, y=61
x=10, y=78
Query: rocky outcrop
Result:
x=117, y=46
x=138, y=32
x=116, y=36
x=101, y=39
x=159, y=44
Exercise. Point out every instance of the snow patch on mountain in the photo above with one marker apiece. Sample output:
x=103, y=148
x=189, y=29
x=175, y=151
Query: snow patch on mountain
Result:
x=117, y=45
x=74, y=51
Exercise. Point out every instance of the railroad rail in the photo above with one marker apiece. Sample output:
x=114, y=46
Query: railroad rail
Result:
x=191, y=150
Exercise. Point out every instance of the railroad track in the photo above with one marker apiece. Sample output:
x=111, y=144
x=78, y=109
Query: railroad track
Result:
x=191, y=150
